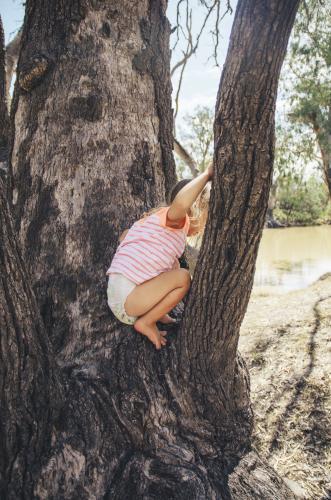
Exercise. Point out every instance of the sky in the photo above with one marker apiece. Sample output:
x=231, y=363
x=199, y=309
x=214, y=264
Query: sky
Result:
x=201, y=77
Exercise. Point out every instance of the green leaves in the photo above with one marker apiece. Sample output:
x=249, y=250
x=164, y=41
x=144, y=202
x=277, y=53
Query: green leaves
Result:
x=198, y=138
x=304, y=134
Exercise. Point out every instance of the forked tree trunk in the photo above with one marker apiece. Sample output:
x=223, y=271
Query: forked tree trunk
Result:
x=93, y=149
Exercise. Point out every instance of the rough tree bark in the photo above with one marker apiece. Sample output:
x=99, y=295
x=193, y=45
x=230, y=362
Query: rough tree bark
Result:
x=27, y=372
x=92, y=149
x=244, y=150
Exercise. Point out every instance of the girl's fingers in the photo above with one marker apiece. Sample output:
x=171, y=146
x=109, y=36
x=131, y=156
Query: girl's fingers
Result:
x=163, y=333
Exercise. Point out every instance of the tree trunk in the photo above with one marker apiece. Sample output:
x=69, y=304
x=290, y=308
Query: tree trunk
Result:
x=323, y=136
x=243, y=158
x=92, y=149
x=326, y=158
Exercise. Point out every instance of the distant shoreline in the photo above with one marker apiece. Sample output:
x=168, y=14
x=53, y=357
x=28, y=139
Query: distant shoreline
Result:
x=282, y=226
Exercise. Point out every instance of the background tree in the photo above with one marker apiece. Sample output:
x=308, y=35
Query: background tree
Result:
x=300, y=194
x=91, y=149
x=198, y=139
x=302, y=201
x=308, y=84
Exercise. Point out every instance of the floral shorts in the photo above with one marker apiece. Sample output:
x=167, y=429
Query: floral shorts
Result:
x=118, y=289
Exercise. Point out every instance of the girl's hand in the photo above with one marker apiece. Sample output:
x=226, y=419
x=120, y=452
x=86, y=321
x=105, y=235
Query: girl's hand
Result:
x=188, y=195
x=210, y=170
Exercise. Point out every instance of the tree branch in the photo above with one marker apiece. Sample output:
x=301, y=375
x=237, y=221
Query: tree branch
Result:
x=186, y=157
x=12, y=53
x=192, y=47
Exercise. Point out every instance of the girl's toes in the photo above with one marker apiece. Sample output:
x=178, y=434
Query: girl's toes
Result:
x=163, y=333
x=167, y=320
x=158, y=344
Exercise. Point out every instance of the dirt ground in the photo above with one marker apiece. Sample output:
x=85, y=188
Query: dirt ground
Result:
x=286, y=342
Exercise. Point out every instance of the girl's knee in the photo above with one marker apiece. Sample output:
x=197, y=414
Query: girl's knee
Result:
x=185, y=277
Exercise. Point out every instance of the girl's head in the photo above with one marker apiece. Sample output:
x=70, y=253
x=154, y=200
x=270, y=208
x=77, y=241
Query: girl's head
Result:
x=197, y=213
x=199, y=210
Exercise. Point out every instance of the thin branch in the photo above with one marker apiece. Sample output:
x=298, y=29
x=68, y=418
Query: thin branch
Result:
x=178, y=89
x=186, y=157
x=196, y=45
x=192, y=46
x=216, y=33
x=178, y=22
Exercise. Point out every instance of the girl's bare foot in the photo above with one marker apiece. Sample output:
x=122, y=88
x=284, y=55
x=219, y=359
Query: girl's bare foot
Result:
x=167, y=320
x=151, y=332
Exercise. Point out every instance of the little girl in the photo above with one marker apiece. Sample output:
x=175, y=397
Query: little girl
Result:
x=145, y=280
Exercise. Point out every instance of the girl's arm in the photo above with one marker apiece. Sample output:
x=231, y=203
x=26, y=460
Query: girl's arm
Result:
x=121, y=238
x=187, y=196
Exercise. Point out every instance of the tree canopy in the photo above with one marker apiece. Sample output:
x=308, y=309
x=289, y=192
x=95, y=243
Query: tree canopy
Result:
x=306, y=81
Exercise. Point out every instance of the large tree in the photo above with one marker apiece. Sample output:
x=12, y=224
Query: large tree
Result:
x=310, y=62
x=91, y=408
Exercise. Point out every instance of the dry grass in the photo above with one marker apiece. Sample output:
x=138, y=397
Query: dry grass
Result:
x=286, y=341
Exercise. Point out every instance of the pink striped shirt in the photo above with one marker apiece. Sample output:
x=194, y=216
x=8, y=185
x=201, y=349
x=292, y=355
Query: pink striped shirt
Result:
x=150, y=248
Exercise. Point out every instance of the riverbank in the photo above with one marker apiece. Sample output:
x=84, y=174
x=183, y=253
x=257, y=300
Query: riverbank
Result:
x=276, y=224
x=285, y=340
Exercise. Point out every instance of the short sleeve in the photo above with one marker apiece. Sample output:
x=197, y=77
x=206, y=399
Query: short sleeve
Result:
x=162, y=214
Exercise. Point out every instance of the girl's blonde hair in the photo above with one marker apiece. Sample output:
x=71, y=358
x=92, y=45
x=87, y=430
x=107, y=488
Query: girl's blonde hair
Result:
x=197, y=214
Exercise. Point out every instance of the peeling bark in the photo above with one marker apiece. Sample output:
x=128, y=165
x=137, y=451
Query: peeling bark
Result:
x=92, y=150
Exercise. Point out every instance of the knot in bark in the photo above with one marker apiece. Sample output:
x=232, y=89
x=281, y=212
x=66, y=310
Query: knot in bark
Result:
x=87, y=108
x=33, y=73
x=141, y=62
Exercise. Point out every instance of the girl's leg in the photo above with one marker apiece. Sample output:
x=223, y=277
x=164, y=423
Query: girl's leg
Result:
x=154, y=298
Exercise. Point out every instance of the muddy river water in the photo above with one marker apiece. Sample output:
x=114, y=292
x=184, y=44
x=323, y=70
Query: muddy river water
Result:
x=292, y=258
